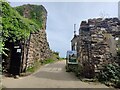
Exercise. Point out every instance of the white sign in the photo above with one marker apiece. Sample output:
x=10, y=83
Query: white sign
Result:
x=16, y=46
x=19, y=50
x=117, y=38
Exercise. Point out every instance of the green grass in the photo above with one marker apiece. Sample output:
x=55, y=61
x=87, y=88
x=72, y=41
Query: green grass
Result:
x=31, y=69
x=35, y=67
x=48, y=61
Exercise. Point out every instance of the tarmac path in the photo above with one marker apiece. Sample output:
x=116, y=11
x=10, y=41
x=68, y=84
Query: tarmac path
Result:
x=50, y=76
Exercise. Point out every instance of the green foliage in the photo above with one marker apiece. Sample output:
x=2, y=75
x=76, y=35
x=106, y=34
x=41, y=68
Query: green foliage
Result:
x=48, y=61
x=1, y=40
x=36, y=13
x=56, y=53
x=79, y=71
x=15, y=27
x=117, y=83
x=61, y=58
x=110, y=73
x=35, y=67
x=2, y=49
x=31, y=69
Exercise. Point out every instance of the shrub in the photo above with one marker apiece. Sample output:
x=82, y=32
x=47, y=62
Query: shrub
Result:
x=110, y=73
x=118, y=84
x=79, y=71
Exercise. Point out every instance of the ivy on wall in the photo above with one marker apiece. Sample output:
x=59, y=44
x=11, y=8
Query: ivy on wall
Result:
x=13, y=26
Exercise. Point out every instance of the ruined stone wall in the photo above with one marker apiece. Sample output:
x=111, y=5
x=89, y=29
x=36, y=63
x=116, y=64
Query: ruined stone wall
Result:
x=36, y=48
x=97, y=47
x=39, y=48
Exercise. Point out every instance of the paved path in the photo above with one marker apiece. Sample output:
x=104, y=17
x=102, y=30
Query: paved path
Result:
x=50, y=76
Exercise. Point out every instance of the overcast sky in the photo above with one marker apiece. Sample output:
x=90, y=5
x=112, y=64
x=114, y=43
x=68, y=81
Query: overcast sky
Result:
x=63, y=15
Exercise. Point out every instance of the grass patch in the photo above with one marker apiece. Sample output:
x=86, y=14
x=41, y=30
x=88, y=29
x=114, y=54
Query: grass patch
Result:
x=48, y=61
x=35, y=67
x=31, y=69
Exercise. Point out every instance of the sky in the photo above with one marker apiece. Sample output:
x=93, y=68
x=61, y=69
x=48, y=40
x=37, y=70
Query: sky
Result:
x=63, y=15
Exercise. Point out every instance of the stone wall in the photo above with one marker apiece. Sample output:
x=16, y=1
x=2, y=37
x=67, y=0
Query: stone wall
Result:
x=36, y=48
x=39, y=48
x=96, y=44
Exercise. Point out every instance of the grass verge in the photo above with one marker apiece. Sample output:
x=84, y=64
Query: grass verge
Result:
x=35, y=67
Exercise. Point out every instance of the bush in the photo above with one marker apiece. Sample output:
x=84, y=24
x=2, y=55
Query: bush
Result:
x=79, y=71
x=56, y=53
x=110, y=73
x=118, y=84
